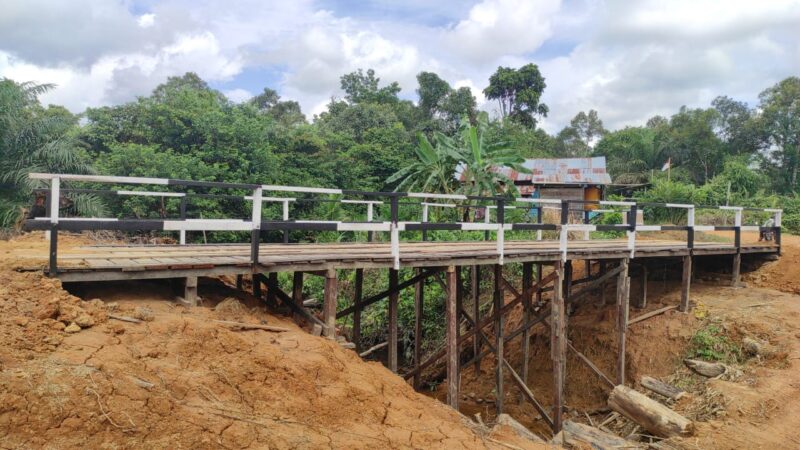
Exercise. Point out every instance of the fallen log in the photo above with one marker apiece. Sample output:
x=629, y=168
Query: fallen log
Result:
x=652, y=314
x=705, y=369
x=659, y=387
x=650, y=414
x=250, y=326
x=505, y=419
x=574, y=434
x=369, y=351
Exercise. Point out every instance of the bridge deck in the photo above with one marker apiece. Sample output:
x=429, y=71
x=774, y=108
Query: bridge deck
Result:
x=145, y=261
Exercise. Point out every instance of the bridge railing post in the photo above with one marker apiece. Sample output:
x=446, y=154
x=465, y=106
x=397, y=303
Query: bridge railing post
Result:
x=564, y=232
x=55, y=201
x=182, y=238
x=255, y=234
x=501, y=219
x=394, y=230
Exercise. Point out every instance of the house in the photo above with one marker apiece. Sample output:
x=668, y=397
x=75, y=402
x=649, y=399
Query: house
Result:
x=560, y=178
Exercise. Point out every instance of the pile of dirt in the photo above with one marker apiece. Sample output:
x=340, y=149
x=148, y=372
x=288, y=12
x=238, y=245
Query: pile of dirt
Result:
x=782, y=274
x=180, y=380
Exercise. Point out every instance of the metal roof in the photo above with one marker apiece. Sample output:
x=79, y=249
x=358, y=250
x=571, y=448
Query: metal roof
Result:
x=557, y=171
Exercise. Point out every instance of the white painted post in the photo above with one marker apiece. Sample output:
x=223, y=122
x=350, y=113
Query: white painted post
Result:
x=500, y=242
x=183, y=237
x=257, y=208
x=370, y=212
x=55, y=198
x=737, y=221
x=425, y=213
x=286, y=210
x=563, y=239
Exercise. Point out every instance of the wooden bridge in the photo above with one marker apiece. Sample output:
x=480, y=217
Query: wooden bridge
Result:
x=544, y=295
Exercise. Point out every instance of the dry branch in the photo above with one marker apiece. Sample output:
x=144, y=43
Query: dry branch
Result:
x=250, y=326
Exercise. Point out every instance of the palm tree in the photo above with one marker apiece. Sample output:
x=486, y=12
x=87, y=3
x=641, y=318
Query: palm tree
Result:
x=35, y=139
x=481, y=162
x=433, y=170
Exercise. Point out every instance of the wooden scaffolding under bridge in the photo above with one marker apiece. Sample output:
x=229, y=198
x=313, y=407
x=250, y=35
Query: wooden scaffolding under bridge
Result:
x=546, y=294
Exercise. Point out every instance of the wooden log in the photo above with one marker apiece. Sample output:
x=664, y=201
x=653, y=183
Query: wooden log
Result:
x=505, y=419
x=686, y=283
x=578, y=435
x=659, y=387
x=451, y=316
x=653, y=313
x=250, y=326
x=705, y=369
x=329, y=304
x=393, y=300
x=650, y=414
x=558, y=347
x=623, y=298
x=124, y=318
x=498, y=333
x=357, y=296
x=372, y=349
x=419, y=305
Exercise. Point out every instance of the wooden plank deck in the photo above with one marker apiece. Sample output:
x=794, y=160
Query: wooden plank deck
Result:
x=137, y=262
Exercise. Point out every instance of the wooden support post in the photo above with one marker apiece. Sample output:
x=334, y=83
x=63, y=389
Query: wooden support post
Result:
x=272, y=284
x=527, y=282
x=476, y=315
x=239, y=282
x=737, y=266
x=297, y=288
x=686, y=283
x=256, y=286
x=558, y=346
x=498, y=332
x=419, y=304
x=539, y=282
x=643, y=300
x=602, y=285
x=190, y=291
x=393, y=299
x=358, y=294
x=623, y=290
x=452, y=337
x=567, y=290
x=329, y=304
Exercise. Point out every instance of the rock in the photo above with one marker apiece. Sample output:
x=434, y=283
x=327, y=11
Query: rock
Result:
x=72, y=328
x=756, y=348
x=58, y=326
x=112, y=306
x=84, y=320
x=48, y=310
x=21, y=320
x=143, y=313
x=705, y=369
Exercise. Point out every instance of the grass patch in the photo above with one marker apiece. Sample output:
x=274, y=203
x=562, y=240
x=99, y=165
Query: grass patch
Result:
x=712, y=343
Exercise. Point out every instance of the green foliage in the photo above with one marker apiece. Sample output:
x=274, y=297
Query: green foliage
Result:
x=518, y=91
x=583, y=131
x=780, y=120
x=631, y=154
x=712, y=343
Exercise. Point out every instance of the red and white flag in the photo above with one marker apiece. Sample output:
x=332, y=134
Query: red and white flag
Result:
x=667, y=165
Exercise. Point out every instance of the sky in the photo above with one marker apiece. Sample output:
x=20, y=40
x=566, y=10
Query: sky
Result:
x=628, y=59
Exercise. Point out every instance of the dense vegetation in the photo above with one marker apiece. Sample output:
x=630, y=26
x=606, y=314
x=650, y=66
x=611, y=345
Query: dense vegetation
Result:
x=373, y=139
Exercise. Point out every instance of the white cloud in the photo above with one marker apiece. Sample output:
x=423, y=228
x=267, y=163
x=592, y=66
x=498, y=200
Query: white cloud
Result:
x=238, y=95
x=627, y=59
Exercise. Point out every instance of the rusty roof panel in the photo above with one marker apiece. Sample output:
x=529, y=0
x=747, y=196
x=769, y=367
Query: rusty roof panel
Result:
x=557, y=171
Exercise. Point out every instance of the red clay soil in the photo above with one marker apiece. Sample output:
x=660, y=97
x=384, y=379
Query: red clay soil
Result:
x=181, y=380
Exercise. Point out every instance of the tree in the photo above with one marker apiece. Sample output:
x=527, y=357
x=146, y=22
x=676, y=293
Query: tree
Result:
x=442, y=106
x=581, y=135
x=360, y=87
x=780, y=118
x=432, y=91
x=287, y=113
x=737, y=126
x=631, y=154
x=432, y=171
x=693, y=143
x=35, y=139
x=518, y=92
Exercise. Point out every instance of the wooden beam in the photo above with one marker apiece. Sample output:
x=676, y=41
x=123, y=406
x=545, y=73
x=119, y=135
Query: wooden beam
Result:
x=737, y=266
x=623, y=298
x=558, y=340
x=329, y=304
x=643, y=299
x=589, y=288
x=297, y=288
x=297, y=307
x=686, y=283
x=651, y=314
x=271, y=285
x=498, y=333
x=527, y=280
x=591, y=365
x=528, y=394
x=256, y=286
x=357, y=295
x=190, y=291
x=393, y=300
x=419, y=311
x=239, y=282
x=476, y=314
x=451, y=313
x=377, y=297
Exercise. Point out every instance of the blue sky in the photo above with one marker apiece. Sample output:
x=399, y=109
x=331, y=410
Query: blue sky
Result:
x=628, y=59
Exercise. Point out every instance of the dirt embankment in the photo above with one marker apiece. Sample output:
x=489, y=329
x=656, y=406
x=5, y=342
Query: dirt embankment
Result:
x=180, y=380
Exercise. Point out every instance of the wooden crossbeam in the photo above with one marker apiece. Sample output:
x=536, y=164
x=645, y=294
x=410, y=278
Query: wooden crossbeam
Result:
x=377, y=297
x=528, y=394
x=299, y=309
x=591, y=365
